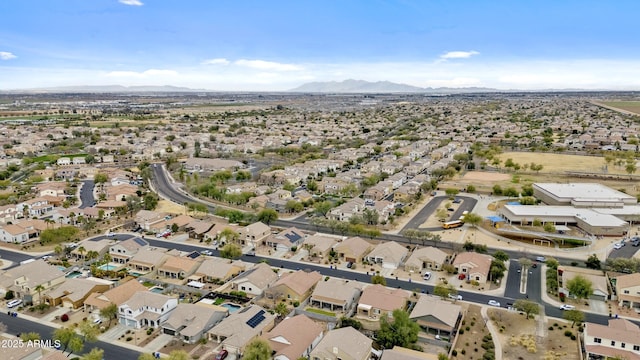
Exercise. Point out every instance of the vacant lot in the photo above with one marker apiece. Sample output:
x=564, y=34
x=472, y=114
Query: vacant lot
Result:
x=520, y=341
x=472, y=330
x=630, y=106
x=559, y=163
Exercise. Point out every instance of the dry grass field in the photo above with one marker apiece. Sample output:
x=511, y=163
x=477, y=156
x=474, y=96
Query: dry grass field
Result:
x=170, y=207
x=559, y=163
x=630, y=106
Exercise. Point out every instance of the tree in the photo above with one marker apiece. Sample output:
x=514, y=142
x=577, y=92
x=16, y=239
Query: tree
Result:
x=267, y=216
x=526, y=306
x=231, y=251
x=257, y=349
x=82, y=250
x=146, y=356
x=75, y=344
x=228, y=235
x=402, y=331
x=575, y=316
x=378, y=279
x=281, y=309
x=89, y=331
x=109, y=312
x=94, y=354
x=525, y=263
x=451, y=192
x=322, y=208
x=39, y=289
x=549, y=227
x=293, y=206
x=179, y=355
x=593, y=262
x=473, y=219
x=442, y=356
x=501, y=255
x=441, y=290
x=580, y=287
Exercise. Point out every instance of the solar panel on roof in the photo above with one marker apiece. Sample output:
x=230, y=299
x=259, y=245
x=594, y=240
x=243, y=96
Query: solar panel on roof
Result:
x=140, y=242
x=256, y=319
x=193, y=255
x=293, y=237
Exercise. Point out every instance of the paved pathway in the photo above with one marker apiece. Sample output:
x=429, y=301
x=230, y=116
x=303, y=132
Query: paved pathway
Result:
x=493, y=331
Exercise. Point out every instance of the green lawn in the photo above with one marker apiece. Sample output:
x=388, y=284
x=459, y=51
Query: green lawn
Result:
x=321, y=312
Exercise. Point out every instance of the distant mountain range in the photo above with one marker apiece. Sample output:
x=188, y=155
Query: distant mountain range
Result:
x=361, y=86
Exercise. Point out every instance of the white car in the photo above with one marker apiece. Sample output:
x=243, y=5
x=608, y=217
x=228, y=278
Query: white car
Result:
x=455, y=297
x=13, y=303
x=206, y=252
x=567, y=307
x=111, y=234
x=494, y=303
x=618, y=246
x=540, y=259
x=426, y=276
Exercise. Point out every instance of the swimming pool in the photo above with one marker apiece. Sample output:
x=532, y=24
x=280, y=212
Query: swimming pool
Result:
x=157, y=289
x=107, y=267
x=73, y=274
x=231, y=307
x=61, y=268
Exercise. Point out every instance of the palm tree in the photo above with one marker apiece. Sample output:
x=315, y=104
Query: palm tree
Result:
x=82, y=250
x=92, y=255
x=39, y=289
x=59, y=251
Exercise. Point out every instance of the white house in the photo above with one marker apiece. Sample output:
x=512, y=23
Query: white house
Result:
x=146, y=308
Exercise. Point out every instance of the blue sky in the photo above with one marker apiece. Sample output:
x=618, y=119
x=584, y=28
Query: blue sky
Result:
x=278, y=45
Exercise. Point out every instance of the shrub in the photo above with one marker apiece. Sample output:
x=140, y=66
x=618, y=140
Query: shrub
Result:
x=573, y=337
x=463, y=351
x=64, y=318
x=568, y=333
x=149, y=331
x=296, y=303
x=454, y=352
x=550, y=328
x=9, y=295
x=461, y=331
x=467, y=328
x=129, y=338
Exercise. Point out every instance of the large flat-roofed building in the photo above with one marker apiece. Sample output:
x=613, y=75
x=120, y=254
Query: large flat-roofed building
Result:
x=590, y=220
x=581, y=195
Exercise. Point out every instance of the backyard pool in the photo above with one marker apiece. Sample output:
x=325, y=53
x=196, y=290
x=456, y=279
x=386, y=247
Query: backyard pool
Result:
x=107, y=267
x=157, y=289
x=73, y=274
x=61, y=268
x=231, y=307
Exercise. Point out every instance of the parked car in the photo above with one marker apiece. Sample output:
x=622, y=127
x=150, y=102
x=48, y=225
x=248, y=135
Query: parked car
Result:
x=111, y=234
x=618, y=246
x=462, y=276
x=457, y=201
x=206, y=252
x=494, y=303
x=567, y=307
x=426, y=275
x=534, y=265
x=251, y=252
x=222, y=354
x=541, y=259
x=13, y=303
x=635, y=243
x=349, y=265
x=455, y=297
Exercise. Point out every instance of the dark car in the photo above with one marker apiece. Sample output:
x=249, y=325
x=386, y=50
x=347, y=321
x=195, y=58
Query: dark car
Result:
x=635, y=243
x=349, y=264
x=222, y=354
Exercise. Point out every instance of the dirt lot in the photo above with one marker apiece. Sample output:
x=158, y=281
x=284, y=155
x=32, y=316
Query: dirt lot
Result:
x=559, y=163
x=625, y=106
x=170, y=207
x=519, y=340
x=469, y=342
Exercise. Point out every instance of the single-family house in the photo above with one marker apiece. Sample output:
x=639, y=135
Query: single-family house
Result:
x=599, y=281
x=389, y=254
x=628, y=290
x=178, y=267
x=426, y=258
x=336, y=294
x=24, y=279
x=147, y=260
x=254, y=233
x=190, y=322
x=13, y=233
x=255, y=280
x=401, y=353
x=122, y=251
x=73, y=292
x=85, y=248
x=218, y=270
x=239, y=328
x=474, y=265
x=293, y=286
x=436, y=316
x=147, y=218
x=285, y=240
x=377, y=301
x=117, y=295
x=294, y=338
x=146, y=309
x=353, y=249
x=620, y=338
x=342, y=344
x=319, y=245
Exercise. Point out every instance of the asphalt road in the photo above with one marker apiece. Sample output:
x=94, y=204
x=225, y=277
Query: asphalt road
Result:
x=86, y=194
x=16, y=325
x=467, y=205
x=627, y=251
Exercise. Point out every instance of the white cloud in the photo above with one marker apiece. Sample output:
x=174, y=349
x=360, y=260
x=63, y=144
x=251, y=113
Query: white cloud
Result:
x=144, y=74
x=131, y=2
x=4, y=55
x=267, y=65
x=218, y=61
x=459, y=54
